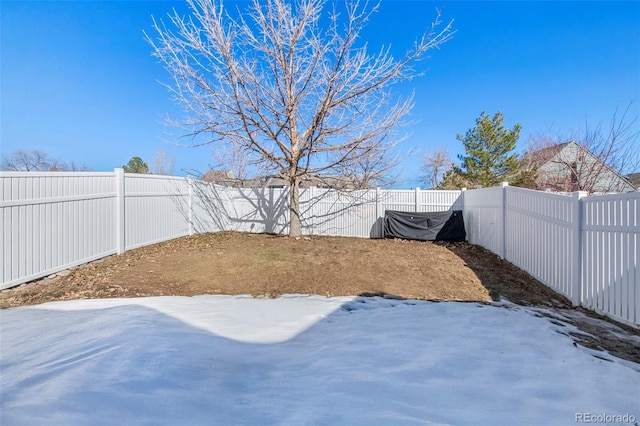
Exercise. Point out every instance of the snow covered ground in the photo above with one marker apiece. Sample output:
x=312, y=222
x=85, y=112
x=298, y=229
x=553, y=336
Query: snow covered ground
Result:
x=301, y=360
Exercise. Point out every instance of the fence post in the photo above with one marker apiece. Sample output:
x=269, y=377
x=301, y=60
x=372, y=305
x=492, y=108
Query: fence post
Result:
x=120, y=211
x=190, y=183
x=379, y=213
x=417, y=197
x=462, y=192
x=503, y=239
x=310, y=199
x=576, y=248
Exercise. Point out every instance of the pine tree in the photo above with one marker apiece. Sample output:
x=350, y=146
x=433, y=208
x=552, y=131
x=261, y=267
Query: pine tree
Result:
x=488, y=146
x=136, y=165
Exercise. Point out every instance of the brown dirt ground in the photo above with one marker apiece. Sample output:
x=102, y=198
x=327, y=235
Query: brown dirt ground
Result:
x=268, y=265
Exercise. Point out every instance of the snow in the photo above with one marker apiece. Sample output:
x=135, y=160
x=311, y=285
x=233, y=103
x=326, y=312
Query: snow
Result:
x=301, y=360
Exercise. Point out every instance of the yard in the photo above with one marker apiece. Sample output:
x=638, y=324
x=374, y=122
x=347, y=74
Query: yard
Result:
x=232, y=263
x=298, y=360
x=340, y=338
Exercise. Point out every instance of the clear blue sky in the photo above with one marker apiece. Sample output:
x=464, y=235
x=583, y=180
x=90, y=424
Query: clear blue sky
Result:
x=79, y=82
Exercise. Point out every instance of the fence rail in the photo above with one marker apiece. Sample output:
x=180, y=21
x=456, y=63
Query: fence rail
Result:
x=586, y=248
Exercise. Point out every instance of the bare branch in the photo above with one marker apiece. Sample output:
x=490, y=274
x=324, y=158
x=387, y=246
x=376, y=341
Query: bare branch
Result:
x=434, y=164
x=35, y=161
x=595, y=160
x=163, y=163
x=291, y=88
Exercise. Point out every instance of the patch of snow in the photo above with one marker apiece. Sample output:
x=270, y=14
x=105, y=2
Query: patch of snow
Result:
x=300, y=360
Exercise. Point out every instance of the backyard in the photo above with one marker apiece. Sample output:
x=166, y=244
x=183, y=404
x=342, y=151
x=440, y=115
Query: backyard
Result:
x=232, y=263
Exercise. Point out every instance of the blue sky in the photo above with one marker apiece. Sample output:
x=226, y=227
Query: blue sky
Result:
x=79, y=82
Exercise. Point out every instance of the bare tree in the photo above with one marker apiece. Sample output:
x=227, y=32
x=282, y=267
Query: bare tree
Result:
x=73, y=167
x=37, y=161
x=292, y=90
x=434, y=164
x=594, y=160
x=232, y=160
x=27, y=161
x=163, y=162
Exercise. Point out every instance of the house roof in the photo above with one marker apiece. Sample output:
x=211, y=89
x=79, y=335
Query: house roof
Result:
x=334, y=182
x=227, y=178
x=218, y=176
x=634, y=179
x=543, y=156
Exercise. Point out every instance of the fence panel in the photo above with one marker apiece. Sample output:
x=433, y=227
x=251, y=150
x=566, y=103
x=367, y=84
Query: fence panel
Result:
x=208, y=207
x=323, y=211
x=329, y=212
x=539, y=236
x=439, y=201
x=483, y=218
x=156, y=209
x=400, y=200
x=611, y=253
x=256, y=209
x=52, y=221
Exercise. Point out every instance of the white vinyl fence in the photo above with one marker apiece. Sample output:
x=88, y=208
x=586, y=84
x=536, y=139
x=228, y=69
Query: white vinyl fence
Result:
x=586, y=248
x=156, y=208
x=55, y=220
x=323, y=211
x=610, y=251
x=51, y=221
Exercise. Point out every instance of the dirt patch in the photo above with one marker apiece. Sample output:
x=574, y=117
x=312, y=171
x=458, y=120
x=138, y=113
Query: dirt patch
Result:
x=268, y=265
x=260, y=264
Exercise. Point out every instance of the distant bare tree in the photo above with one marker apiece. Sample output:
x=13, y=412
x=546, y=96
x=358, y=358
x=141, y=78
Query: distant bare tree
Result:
x=230, y=158
x=37, y=161
x=73, y=167
x=163, y=163
x=599, y=156
x=27, y=161
x=293, y=90
x=434, y=164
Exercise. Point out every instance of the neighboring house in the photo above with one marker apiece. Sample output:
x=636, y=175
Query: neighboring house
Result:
x=570, y=167
x=221, y=177
x=634, y=179
x=341, y=183
x=227, y=178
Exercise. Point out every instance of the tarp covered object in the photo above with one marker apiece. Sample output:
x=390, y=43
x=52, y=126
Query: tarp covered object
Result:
x=432, y=226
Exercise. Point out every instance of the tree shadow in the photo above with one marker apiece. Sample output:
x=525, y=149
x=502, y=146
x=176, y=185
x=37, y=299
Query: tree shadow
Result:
x=266, y=210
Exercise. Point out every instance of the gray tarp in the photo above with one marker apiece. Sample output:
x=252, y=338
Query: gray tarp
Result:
x=433, y=226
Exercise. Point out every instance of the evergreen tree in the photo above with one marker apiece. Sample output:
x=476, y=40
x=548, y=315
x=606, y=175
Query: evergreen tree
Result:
x=453, y=180
x=136, y=165
x=489, y=159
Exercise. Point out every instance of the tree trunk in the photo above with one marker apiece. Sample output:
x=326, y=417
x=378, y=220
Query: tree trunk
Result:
x=295, y=229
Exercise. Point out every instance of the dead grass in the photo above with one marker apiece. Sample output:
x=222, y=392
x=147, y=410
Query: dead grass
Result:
x=268, y=265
